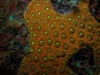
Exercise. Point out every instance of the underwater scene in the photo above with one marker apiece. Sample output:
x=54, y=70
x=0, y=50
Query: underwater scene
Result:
x=49, y=37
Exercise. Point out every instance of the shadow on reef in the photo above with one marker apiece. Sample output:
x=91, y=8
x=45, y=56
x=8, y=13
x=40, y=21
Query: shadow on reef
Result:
x=82, y=62
x=11, y=65
x=63, y=6
x=94, y=8
x=14, y=36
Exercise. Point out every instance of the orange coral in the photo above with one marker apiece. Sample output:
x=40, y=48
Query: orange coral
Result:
x=54, y=37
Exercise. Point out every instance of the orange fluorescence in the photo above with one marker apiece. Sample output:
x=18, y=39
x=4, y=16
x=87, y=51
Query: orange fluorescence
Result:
x=54, y=37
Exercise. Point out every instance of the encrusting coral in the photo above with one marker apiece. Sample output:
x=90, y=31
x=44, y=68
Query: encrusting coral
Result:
x=55, y=37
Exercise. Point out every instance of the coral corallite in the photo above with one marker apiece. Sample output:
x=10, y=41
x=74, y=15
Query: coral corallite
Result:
x=55, y=37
